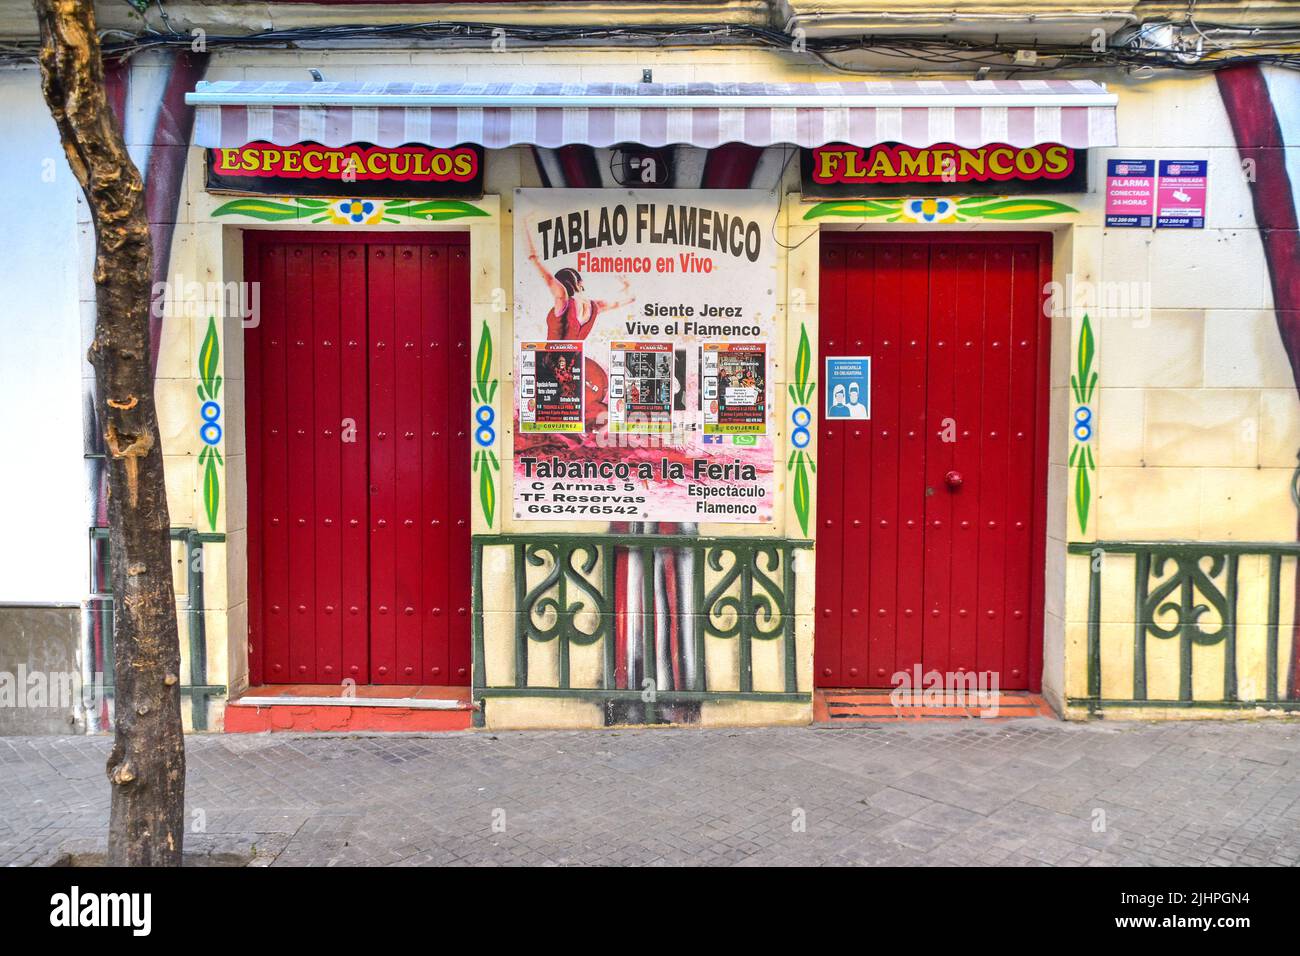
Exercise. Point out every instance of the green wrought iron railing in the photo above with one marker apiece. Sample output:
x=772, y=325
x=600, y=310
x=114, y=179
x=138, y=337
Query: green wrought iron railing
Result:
x=1191, y=593
x=197, y=688
x=736, y=589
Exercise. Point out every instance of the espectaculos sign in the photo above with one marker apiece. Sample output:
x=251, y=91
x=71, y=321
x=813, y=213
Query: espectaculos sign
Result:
x=309, y=169
x=894, y=169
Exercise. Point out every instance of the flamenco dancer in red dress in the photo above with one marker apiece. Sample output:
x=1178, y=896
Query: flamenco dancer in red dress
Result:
x=572, y=318
x=564, y=377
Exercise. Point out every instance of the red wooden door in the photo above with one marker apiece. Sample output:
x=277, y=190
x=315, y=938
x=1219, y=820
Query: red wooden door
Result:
x=929, y=545
x=358, y=459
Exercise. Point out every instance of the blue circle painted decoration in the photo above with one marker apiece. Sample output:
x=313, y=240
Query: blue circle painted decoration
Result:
x=485, y=434
x=210, y=430
x=802, y=418
x=1083, y=423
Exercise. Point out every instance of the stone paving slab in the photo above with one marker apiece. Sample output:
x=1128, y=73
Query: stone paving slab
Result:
x=1032, y=792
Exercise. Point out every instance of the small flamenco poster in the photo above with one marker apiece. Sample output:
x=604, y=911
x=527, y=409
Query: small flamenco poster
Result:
x=550, y=387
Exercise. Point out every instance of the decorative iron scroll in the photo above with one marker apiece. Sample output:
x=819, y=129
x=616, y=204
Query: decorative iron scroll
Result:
x=738, y=589
x=760, y=601
x=1189, y=592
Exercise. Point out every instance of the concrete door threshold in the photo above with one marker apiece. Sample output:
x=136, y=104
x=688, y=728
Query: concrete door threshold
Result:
x=314, y=708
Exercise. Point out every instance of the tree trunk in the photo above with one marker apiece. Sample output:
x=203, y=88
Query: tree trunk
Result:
x=147, y=765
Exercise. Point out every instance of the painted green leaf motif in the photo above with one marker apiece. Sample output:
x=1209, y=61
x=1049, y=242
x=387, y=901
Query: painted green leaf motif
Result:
x=211, y=492
x=1082, y=496
x=978, y=207
x=265, y=209
x=1087, y=354
x=855, y=209
x=437, y=210
x=802, y=499
x=802, y=361
x=1012, y=209
x=209, y=357
x=483, y=363
x=487, y=494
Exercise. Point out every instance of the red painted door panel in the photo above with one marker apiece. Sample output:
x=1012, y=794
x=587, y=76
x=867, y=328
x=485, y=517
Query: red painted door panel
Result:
x=930, y=514
x=358, y=524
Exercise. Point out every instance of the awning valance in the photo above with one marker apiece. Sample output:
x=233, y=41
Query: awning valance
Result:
x=1076, y=113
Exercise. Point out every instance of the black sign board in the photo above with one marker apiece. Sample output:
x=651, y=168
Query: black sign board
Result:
x=309, y=169
x=893, y=169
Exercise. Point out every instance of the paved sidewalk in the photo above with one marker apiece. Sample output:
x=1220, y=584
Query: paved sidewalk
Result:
x=1028, y=792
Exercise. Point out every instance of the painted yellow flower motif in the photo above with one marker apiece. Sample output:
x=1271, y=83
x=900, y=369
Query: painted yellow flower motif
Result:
x=356, y=212
x=930, y=210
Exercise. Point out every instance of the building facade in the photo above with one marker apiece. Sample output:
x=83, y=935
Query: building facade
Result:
x=620, y=383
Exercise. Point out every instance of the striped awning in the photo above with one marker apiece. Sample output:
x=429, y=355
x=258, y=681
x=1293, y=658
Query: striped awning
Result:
x=1076, y=113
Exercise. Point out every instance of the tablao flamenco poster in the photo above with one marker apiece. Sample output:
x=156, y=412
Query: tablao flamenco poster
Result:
x=670, y=298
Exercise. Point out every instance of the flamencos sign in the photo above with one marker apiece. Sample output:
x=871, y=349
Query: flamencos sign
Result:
x=360, y=169
x=895, y=169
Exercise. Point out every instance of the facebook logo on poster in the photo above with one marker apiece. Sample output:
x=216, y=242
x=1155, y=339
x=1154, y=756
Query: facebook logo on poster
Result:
x=848, y=387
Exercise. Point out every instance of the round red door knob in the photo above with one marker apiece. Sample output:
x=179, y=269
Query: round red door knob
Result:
x=954, y=479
